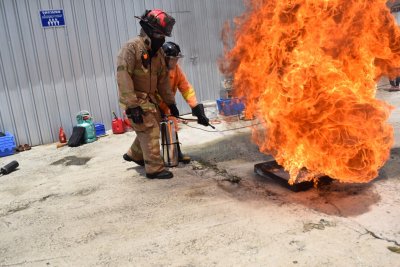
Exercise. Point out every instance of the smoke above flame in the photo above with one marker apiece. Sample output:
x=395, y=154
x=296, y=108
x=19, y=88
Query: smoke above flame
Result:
x=308, y=70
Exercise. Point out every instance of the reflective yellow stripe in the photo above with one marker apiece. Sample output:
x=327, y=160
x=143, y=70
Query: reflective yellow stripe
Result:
x=122, y=68
x=148, y=106
x=134, y=148
x=189, y=94
x=139, y=72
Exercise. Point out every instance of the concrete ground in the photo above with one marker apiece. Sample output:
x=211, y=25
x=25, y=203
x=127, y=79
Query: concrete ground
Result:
x=85, y=206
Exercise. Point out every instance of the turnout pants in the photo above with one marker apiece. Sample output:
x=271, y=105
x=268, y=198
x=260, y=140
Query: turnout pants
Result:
x=146, y=145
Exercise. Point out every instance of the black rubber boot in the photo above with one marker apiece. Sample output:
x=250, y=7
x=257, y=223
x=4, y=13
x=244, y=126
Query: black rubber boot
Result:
x=127, y=158
x=160, y=175
x=181, y=157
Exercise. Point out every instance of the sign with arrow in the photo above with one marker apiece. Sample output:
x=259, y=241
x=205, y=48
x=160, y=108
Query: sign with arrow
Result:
x=52, y=18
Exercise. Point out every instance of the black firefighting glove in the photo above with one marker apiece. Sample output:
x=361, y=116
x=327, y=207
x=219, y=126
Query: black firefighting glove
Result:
x=198, y=111
x=174, y=110
x=135, y=114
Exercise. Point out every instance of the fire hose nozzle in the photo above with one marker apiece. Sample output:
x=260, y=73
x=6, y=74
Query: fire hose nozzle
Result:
x=212, y=126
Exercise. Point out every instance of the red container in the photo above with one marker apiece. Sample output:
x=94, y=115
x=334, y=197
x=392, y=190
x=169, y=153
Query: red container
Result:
x=118, y=126
x=61, y=136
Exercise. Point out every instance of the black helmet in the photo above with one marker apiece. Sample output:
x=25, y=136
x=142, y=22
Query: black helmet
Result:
x=172, y=49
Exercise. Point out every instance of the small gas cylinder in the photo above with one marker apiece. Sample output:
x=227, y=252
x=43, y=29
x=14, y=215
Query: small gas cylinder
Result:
x=85, y=120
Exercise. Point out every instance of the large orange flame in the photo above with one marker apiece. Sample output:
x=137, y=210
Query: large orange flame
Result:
x=308, y=69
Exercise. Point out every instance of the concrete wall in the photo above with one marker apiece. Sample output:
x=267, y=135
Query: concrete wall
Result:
x=47, y=75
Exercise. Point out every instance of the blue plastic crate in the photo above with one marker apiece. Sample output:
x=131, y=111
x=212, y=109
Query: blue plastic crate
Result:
x=231, y=106
x=7, y=145
x=100, y=129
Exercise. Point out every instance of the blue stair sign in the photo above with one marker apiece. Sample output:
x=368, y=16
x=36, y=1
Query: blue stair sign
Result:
x=52, y=18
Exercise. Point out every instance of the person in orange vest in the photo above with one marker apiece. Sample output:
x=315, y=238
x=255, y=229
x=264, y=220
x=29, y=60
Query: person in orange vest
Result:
x=179, y=82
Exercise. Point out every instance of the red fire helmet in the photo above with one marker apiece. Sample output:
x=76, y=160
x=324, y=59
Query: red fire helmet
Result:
x=159, y=21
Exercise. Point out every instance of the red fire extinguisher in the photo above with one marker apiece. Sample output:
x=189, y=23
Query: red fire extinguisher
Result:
x=61, y=136
x=117, y=125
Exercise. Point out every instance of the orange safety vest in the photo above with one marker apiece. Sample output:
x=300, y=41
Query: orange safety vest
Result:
x=179, y=82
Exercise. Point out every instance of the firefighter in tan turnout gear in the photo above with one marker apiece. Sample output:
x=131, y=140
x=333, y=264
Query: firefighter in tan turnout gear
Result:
x=141, y=75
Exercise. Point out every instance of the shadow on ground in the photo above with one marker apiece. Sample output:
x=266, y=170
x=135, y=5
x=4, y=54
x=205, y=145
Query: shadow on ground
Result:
x=340, y=199
x=72, y=160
